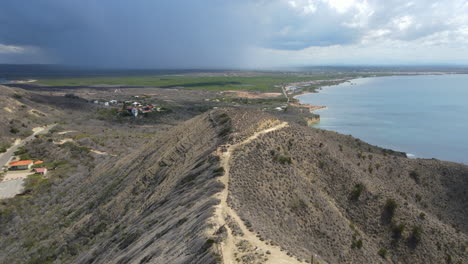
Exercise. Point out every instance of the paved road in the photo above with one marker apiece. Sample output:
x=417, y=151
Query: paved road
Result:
x=9, y=189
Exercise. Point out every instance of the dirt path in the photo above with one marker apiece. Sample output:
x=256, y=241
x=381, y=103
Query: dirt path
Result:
x=245, y=248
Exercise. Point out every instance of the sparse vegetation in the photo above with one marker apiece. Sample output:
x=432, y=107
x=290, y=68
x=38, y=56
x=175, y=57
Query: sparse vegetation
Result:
x=219, y=171
x=283, y=158
x=397, y=230
x=356, y=244
x=416, y=234
x=390, y=208
x=356, y=192
x=414, y=174
x=382, y=252
x=14, y=130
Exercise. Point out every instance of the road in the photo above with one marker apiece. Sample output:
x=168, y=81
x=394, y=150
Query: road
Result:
x=6, y=157
x=13, y=182
x=9, y=189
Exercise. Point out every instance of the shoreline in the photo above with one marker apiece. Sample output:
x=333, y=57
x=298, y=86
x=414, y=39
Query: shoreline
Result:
x=410, y=153
x=311, y=107
x=317, y=107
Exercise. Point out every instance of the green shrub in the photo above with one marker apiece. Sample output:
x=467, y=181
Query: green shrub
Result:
x=225, y=131
x=418, y=197
x=390, y=208
x=414, y=174
x=322, y=164
x=3, y=149
x=298, y=205
x=356, y=244
x=13, y=130
x=283, y=158
x=25, y=156
x=397, y=230
x=219, y=171
x=377, y=166
x=416, y=234
x=21, y=150
x=356, y=192
x=382, y=252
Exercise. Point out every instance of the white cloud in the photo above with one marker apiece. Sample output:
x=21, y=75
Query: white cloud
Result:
x=6, y=49
x=403, y=23
x=343, y=6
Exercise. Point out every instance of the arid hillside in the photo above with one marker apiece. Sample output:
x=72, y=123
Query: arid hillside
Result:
x=235, y=185
x=19, y=114
x=149, y=207
x=319, y=193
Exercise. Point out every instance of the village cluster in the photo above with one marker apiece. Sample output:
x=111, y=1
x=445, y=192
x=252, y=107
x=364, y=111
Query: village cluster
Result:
x=132, y=107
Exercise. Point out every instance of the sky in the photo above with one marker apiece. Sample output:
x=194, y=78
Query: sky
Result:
x=233, y=33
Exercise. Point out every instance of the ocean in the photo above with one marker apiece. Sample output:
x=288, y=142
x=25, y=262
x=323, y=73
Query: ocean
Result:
x=425, y=116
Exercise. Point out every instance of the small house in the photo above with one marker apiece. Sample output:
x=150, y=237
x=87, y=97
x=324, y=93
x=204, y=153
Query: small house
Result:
x=21, y=165
x=38, y=162
x=41, y=171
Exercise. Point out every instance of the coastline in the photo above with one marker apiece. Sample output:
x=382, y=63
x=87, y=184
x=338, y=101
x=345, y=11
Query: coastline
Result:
x=296, y=102
x=411, y=151
x=317, y=107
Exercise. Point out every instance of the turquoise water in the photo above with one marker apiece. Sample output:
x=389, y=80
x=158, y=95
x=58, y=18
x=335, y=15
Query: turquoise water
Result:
x=424, y=116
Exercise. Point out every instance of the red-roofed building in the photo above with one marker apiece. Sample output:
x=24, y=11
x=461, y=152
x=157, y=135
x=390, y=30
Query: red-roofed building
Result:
x=38, y=162
x=21, y=165
x=42, y=171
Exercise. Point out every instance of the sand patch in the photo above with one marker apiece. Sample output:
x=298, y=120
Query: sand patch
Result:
x=101, y=152
x=63, y=141
x=253, y=95
x=66, y=132
x=36, y=113
x=8, y=109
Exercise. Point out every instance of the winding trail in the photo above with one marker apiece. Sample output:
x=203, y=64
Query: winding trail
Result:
x=229, y=250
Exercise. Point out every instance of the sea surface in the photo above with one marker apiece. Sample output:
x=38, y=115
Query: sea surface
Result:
x=424, y=116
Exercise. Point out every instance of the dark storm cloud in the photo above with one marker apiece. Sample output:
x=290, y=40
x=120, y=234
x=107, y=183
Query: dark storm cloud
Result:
x=121, y=33
x=229, y=33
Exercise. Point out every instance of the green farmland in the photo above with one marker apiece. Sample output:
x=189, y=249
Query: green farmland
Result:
x=255, y=83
